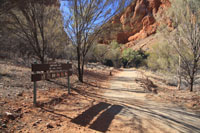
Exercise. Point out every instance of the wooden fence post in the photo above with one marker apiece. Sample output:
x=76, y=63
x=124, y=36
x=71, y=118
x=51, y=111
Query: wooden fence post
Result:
x=68, y=83
x=35, y=94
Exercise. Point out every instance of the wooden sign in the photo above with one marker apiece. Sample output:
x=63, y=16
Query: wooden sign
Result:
x=50, y=75
x=49, y=67
x=49, y=71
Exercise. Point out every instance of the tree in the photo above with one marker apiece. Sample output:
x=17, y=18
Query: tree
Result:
x=185, y=38
x=84, y=21
x=39, y=24
x=5, y=6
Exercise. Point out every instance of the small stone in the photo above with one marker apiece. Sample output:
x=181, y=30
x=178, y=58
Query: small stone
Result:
x=194, y=104
x=49, y=125
x=20, y=94
x=4, y=126
x=58, y=124
x=38, y=121
x=10, y=115
x=18, y=110
x=34, y=124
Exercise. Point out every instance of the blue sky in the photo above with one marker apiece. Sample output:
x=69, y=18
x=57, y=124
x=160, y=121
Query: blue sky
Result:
x=64, y=10
x=98, y=22
x=62, y=5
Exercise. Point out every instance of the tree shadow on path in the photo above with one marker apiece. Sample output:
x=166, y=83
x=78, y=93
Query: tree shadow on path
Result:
x=104, y=112
x=103, y=122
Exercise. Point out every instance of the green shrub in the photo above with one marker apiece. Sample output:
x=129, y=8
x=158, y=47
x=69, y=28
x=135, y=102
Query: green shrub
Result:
x=114, y=55
x=133, y=58
x=100, y=52
x=162, y=57
x=111, y=55
x=106, y=54
x=114, y=45
x=108, y=62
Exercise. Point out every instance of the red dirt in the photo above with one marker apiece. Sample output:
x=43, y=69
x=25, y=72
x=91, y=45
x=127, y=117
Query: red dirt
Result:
x=56, y=108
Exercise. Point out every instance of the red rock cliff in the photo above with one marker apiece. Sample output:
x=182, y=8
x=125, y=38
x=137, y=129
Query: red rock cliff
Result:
x=138, y=20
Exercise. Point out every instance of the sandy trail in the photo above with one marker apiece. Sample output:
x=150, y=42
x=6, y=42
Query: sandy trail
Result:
x=140, y=115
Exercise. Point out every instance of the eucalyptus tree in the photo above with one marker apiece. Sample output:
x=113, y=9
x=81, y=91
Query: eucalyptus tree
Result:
x=39, y=24
x=5, y=6
x=185, y=38
x=85, y=20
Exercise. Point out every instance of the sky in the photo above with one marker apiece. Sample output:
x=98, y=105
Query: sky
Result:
x=101, y=20
x=64, y=10
x=62, y=5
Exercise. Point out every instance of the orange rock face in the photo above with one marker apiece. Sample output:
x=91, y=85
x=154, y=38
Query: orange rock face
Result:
x=138, y=20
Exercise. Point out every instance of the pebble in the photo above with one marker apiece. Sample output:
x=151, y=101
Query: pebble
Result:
x=10, y=115
x=37, y=122
x=4, y=126
x=34, y=124
x=49, y=125
x=18, y=110
x=58, y=124
x=20, y=94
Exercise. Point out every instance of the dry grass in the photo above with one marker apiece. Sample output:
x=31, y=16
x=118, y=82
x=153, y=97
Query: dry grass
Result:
x=169, y=93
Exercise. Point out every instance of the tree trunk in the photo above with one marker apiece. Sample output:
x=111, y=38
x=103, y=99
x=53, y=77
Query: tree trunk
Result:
x=42, y=60
x=80, y=78
x=80, y=75
x=179, y=74
x=192, y=77
x=179, y=82
x=82, y=67
x=191, y=84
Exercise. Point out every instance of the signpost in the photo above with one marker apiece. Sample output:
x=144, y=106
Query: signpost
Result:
x=49, y=71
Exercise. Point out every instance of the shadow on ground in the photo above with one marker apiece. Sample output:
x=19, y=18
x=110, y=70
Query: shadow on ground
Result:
x=99, y=117
x=104, y=112
x=167, y=115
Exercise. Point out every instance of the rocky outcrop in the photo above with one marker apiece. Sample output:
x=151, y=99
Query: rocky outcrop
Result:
x=138, y=21
x=149, y=28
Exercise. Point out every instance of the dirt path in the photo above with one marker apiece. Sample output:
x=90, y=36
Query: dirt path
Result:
x=132, y=112
x=94, y=107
